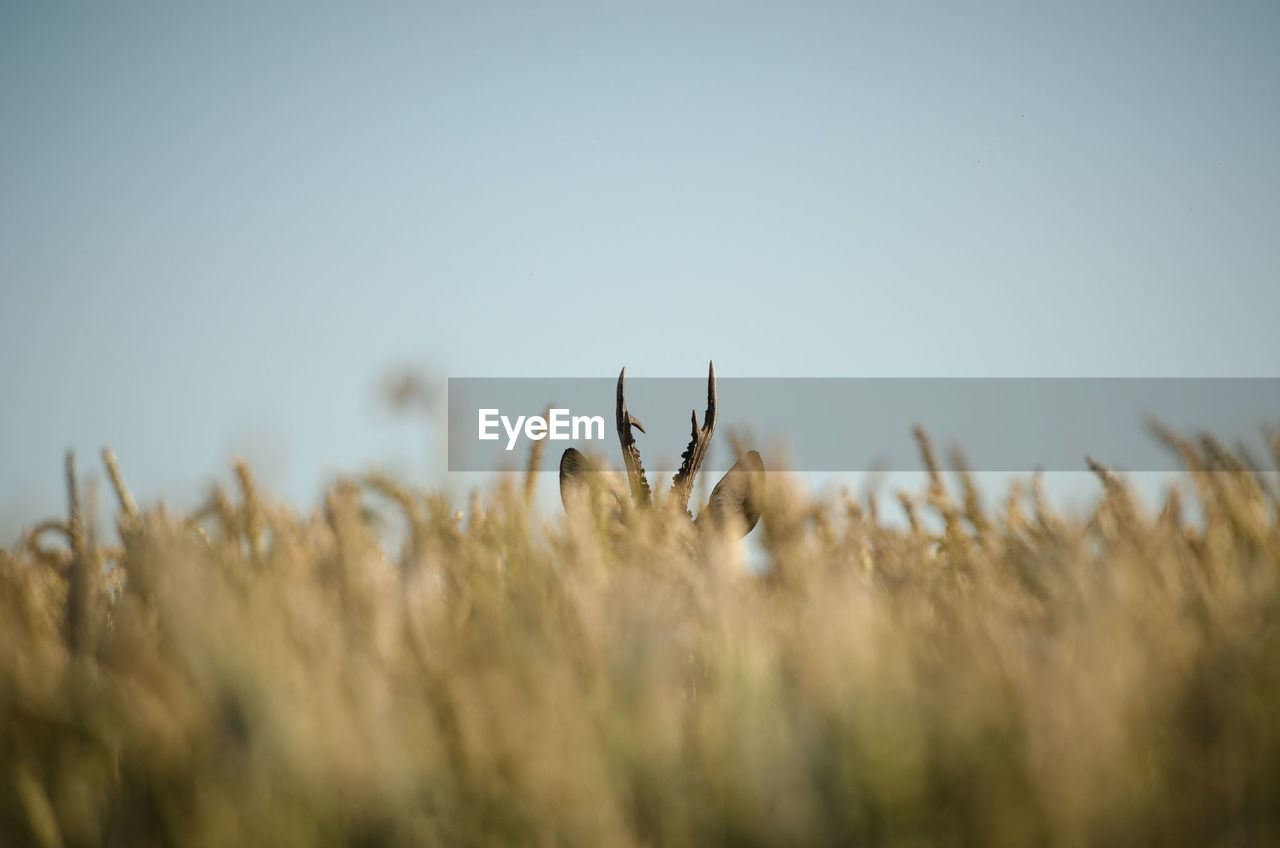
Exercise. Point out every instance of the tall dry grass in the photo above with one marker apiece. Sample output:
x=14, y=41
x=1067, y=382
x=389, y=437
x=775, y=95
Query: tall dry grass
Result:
x=253, y=675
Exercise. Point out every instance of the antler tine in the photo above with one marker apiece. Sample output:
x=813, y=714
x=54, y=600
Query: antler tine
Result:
x=640, y=491
x=682, y=483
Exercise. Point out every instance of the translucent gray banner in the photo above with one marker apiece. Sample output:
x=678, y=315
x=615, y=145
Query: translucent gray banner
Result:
x=863, y=424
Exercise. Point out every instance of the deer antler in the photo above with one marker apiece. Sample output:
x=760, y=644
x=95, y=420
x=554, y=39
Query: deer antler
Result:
x=682, y=483
x=640, y=492
x=735, y=501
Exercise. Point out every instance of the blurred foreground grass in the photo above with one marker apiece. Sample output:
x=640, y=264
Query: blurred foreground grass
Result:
x=252, y=675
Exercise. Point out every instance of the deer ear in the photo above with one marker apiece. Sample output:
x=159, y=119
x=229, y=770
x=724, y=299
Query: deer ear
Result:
x=583, y=488
x=573, y=468
x=738, y=496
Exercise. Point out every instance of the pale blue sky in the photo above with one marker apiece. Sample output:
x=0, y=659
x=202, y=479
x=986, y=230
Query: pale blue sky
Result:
x=221, y=226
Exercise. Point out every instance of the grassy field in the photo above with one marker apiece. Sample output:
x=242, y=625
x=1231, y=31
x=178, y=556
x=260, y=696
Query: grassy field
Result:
x=253, y=675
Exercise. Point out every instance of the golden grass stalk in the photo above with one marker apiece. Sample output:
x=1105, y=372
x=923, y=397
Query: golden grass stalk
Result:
x=1025, y=676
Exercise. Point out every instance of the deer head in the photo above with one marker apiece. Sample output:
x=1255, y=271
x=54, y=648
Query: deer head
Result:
x=735, y=498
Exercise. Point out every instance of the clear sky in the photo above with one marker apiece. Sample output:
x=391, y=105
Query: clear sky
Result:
x=221, y=226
